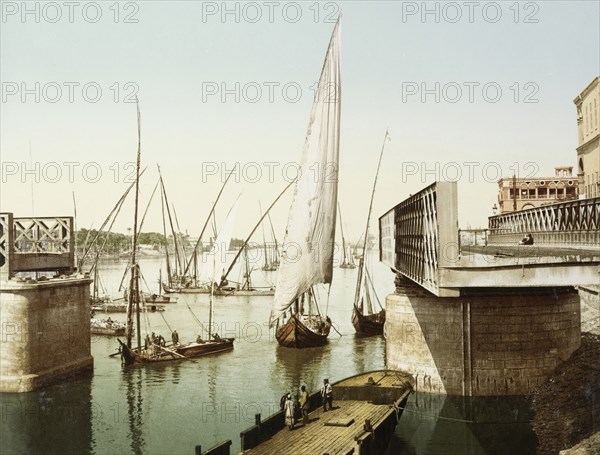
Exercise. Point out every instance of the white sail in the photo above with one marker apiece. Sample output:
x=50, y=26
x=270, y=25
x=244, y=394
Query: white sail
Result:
x=216, y=260
x=310, y=234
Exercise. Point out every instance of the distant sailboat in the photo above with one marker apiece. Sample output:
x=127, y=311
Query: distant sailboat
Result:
x=347, y=260
x=365, y=320
x=310, y=234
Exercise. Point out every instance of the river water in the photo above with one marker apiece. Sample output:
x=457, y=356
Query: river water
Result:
x=170, y=408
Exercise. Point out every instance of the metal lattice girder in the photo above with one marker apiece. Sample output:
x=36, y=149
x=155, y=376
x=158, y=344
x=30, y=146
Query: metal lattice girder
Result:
x=40, y=243
x=580, y=215
x=420, y=235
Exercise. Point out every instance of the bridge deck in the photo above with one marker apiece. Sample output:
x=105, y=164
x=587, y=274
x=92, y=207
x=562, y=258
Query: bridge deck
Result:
x=502, y=255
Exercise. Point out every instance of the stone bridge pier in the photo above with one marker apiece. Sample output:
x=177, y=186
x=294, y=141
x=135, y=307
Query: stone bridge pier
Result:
x=493, y=319
x=44, y=304
x=491, y=342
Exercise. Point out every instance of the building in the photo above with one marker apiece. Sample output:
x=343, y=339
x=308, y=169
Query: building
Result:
x=588, y=150
x=525, y=193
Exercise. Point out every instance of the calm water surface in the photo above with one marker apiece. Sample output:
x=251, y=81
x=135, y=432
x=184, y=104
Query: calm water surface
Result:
x=170, y=408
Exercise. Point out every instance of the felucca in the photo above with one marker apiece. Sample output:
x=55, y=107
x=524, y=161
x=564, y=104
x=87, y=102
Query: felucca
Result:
x=310, y=235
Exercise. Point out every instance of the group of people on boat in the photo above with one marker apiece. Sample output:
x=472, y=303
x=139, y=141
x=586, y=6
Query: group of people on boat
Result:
x=298, y=405
x=154, y=340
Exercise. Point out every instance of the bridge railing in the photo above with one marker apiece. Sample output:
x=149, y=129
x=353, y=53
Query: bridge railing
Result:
x=570, y=223
x=36, y=244
x=419, y=236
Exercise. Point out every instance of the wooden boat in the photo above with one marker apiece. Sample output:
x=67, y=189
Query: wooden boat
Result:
x=366, y=411
x=107, y=327
x=155, y=350
x=115, y=307
x=311, y=222
x=222, y=291
x=157, y=298
x=301, y=332
x=157, y=353
x=370, y=324
x=364, y=319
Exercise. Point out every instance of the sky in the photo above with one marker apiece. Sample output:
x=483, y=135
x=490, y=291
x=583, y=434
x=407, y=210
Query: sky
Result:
x=469, y=91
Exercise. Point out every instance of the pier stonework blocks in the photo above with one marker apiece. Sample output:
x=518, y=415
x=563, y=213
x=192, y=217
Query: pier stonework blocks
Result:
x=44, y=330
x=491, y=342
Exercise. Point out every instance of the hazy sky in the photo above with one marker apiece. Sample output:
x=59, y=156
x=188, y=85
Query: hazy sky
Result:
x=504, y=74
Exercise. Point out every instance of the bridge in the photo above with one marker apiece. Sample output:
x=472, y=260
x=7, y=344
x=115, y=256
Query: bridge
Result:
x=44, y=304
x=488, y=319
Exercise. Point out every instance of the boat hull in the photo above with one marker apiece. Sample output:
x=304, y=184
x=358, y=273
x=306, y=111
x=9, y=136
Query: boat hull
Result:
x=183, y=352
x=295, y=334
x=162, y=299
x=368, y=324
x=221, y=292
x=107, y=331
x=117, y=308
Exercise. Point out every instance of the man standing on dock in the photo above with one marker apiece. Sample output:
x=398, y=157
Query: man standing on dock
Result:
x=304, y=404
x=327, y=395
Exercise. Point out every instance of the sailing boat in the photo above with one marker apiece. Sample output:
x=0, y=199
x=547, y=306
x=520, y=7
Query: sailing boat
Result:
x=310, y=234
x=154, y=351
x=364, y=319
x=159, y=298
x=222, y=287
x=346, y=264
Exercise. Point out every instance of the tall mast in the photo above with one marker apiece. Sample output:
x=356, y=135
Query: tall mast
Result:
x=264, y=239
x=344, y=261
x=362, y=259
x=212, y=210
x=181, y=239
x=175, y=243
x=276, y=255
x=134, y=297
x=162, y=207
x=252, y=232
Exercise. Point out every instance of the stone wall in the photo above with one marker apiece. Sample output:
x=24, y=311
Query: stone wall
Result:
x=590, y=308
x=45, y=332
x=501, y=343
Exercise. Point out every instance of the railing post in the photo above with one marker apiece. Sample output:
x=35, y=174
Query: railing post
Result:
x=6, y=245
x=198, y=450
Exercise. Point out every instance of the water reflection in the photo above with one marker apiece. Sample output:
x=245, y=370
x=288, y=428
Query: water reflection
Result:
x=439, y=424
x=43, y=421
x=133, y=382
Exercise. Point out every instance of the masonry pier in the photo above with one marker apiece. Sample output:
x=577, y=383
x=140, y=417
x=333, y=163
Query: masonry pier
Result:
x=44, y=304
x=488, y=320
x=492, y=342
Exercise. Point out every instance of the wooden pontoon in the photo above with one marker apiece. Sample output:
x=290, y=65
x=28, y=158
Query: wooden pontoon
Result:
x=366, y=409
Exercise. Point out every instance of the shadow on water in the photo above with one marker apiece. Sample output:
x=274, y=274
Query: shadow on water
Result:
x=43, y=421
x=440, y=424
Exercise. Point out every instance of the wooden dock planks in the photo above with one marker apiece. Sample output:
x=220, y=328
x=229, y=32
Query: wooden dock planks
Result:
x=316, y=439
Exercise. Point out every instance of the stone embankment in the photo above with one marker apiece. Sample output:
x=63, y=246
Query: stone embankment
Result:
x=566, y=405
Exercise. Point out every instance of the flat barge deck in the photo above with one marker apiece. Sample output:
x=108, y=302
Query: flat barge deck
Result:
x=366, y=409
